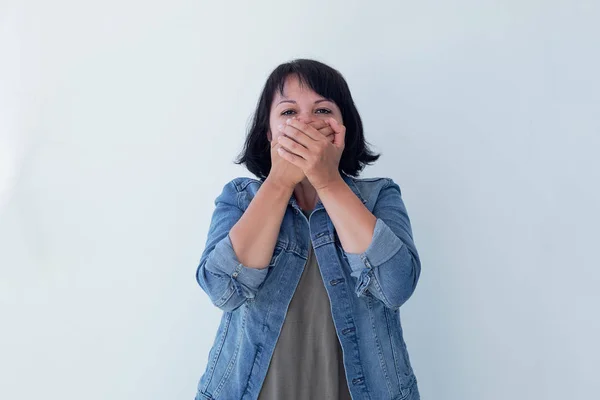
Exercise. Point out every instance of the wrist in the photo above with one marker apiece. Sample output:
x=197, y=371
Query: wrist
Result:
x=278, y=185
x=332, y=185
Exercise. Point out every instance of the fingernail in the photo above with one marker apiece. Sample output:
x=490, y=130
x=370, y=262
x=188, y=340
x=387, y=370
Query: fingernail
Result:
x=288, y=121
x=280, y=127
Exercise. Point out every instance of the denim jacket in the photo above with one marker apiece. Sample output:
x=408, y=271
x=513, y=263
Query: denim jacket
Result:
x=366, y=291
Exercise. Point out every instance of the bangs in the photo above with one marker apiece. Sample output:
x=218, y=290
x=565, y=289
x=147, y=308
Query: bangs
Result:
x=319, y=77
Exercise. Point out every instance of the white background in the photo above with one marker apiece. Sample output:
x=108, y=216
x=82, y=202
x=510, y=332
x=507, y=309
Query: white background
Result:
x=119, y=122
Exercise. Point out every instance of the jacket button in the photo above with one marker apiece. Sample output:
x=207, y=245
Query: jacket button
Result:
x=348, y=330
x=356, y=381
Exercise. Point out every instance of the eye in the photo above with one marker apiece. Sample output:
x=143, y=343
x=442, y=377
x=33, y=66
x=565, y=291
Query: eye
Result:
x=288, y=112
x=324, y=111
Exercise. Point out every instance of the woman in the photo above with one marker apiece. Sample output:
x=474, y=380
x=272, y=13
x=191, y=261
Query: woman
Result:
x=309, y=263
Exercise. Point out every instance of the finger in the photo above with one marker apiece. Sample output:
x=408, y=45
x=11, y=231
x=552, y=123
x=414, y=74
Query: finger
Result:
x=293, y=147
x=335, y=125
x=296, y=135
x=339, y=130
x=319, y=124
x=294, y=159
x=323, y=127
x=326, y=131
x=305, y=128
x=274, y=148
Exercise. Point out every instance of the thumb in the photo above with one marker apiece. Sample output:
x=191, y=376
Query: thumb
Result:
x=339, y=132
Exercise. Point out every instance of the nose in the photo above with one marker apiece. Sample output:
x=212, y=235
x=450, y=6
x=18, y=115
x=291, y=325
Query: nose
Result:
x=305, y=118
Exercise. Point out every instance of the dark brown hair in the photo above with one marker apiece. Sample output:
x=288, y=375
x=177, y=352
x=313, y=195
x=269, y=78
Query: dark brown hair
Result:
x=325, y=81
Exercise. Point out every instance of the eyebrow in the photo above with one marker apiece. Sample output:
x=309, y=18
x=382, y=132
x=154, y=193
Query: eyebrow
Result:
x=294, y=101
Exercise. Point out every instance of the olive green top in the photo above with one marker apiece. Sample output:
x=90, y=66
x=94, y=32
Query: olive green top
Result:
x=307, y=362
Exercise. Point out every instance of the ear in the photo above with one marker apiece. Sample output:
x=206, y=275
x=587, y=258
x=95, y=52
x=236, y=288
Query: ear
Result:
x=269, y=136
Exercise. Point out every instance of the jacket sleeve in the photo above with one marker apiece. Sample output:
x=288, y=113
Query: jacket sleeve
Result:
x=390, y=267
x=227, y=282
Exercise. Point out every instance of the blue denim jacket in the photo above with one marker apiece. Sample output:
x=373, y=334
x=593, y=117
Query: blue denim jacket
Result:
x=366, y=291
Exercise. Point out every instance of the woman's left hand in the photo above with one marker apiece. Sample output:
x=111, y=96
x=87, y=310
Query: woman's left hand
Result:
x=311, y=151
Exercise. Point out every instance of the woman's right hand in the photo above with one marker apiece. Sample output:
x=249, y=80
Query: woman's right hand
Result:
x=283, y=171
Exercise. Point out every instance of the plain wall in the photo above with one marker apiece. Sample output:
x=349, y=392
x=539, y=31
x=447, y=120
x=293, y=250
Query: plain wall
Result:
x=119, y=122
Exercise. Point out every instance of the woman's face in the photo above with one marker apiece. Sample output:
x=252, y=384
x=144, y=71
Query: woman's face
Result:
x=299, y=102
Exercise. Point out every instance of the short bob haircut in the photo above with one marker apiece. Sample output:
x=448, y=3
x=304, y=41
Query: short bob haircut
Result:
x=330, y=84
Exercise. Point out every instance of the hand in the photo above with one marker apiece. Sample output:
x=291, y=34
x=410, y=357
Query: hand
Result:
x=286, y=173
x=282, y=171
x=323, y=127
x=317, y=156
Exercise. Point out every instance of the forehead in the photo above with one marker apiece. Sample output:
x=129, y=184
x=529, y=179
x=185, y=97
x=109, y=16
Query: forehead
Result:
x=292, y=87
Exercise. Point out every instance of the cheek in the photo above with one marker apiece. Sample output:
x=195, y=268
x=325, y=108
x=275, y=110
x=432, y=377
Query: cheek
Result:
x=337, y=114
x=338, y=118
x=324, y=116
x=275, y=132
x=274, y=121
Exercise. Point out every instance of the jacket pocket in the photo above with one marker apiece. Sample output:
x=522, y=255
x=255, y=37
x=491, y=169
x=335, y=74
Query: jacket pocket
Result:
x=230, y=358
x=402, y=364
x=339, y=248
x=276, y=253
x=203, y=396
x=215, y=352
